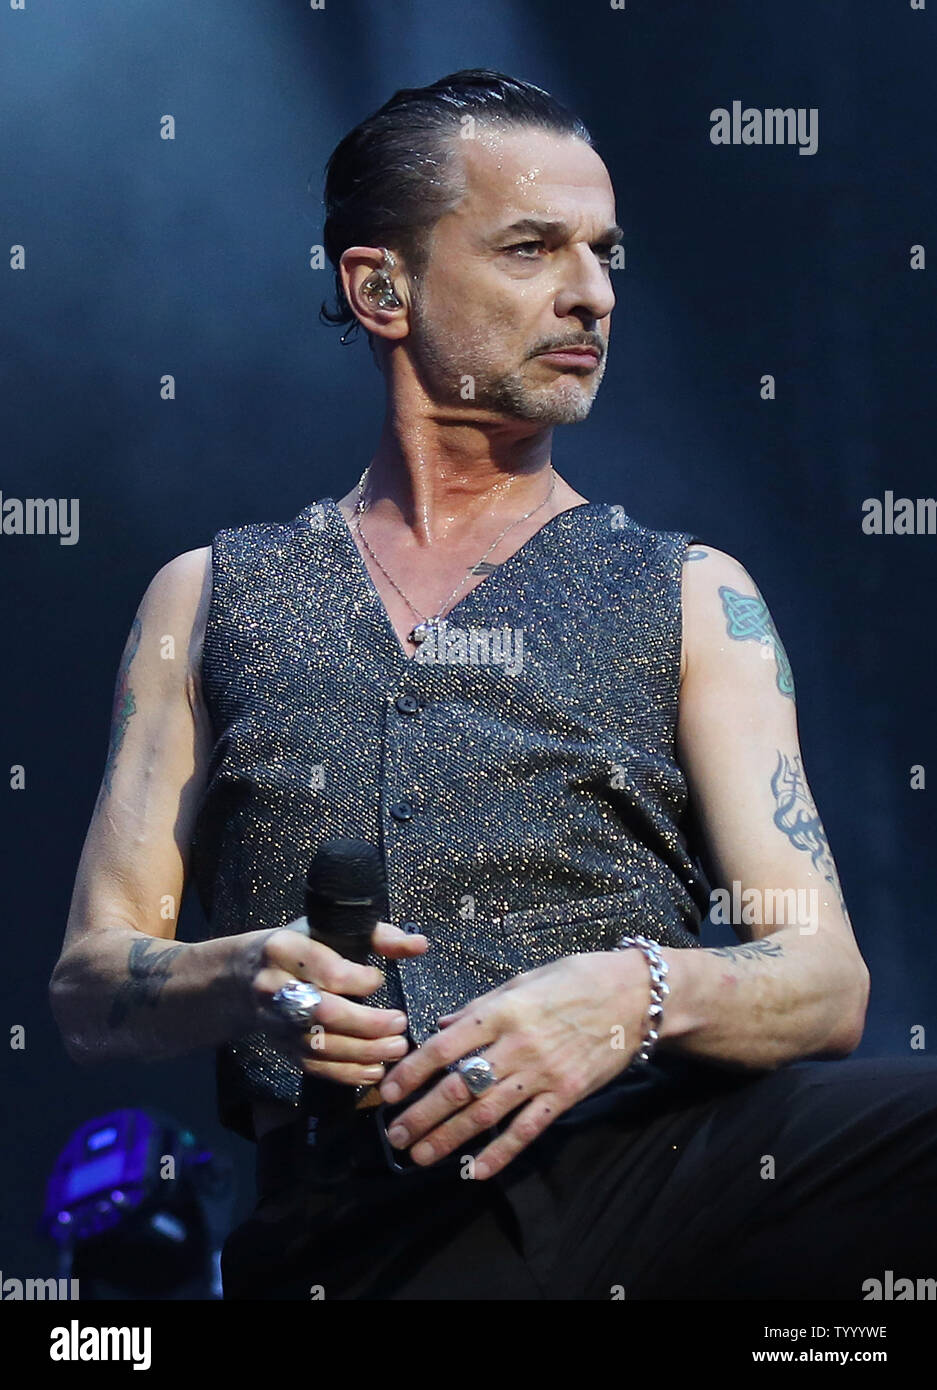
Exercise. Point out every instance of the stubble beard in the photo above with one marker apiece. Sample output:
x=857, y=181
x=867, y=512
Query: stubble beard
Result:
x=565, y=401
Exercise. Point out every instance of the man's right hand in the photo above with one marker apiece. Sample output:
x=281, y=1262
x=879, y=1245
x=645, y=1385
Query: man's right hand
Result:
x=348, y=1042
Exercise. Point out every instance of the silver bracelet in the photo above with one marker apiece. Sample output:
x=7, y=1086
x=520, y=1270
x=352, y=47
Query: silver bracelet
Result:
x=659, y=987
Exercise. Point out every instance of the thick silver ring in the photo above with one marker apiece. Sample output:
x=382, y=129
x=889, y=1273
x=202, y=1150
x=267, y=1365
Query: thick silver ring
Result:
x=296, y=1002
x=477, y=1074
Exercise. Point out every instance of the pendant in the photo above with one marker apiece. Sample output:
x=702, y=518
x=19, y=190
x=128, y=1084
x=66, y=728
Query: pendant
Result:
x=422, y=630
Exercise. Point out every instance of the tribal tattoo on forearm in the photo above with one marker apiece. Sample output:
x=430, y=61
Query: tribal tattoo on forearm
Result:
x=148, y=969
x=748, y=619
x=124, y=703
x=750, y=950
x=798, y=818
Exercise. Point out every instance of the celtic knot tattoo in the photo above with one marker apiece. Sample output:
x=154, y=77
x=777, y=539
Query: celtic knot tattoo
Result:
x=749, y=620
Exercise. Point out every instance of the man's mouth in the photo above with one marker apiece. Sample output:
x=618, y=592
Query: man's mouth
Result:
x=572, y=357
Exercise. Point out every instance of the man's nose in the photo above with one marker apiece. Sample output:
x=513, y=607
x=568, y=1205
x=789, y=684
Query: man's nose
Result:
x=585, y=287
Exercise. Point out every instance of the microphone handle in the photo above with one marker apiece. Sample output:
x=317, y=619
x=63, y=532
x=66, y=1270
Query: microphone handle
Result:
x=346, y=928
x=319, y=1096
x=352, y=947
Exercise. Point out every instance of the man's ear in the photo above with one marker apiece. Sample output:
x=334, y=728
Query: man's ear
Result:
x=377, y=293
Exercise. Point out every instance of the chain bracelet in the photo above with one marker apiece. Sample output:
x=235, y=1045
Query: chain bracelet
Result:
x=659, y=987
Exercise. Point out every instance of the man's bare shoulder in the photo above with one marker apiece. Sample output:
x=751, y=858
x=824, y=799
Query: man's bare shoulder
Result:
x=174, y=608
x=182, y=587
x=705, y=565
x=186, y=571
x=715, y=584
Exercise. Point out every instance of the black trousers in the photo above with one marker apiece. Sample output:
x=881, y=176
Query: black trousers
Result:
x=801, y=1183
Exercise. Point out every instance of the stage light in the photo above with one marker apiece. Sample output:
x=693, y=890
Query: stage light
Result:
x=138, y=1209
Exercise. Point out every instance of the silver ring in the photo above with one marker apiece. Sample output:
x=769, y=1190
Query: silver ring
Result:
x=477, y=1074
x=296, y=1002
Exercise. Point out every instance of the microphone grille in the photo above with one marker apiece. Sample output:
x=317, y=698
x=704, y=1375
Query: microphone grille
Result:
x=346, y=868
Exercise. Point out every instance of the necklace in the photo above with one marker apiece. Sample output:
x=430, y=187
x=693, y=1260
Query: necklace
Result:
x=429, y=624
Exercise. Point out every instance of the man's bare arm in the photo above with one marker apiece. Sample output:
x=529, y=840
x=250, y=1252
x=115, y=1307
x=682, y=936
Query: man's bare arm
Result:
x=799, y=989
x=123, y=987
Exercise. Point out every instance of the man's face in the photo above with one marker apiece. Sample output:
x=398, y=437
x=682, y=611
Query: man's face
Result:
x=500, y=287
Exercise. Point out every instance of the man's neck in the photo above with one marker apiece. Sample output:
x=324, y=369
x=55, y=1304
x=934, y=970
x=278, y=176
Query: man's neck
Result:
x=438, y=479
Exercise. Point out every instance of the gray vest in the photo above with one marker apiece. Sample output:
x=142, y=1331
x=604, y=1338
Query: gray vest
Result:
x=519, y=777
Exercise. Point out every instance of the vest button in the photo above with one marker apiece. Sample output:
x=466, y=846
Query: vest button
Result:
x=410, y=927
x=407, y=704
x=402, y=810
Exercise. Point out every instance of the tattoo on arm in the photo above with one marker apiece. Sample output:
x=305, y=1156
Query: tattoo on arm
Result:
x=797, y=816
x=748, y=619
x=751, y=950
x=124, y=703
x=148, y=969
x=696, y=554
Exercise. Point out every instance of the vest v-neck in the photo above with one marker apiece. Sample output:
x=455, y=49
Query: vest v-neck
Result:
x=338, y=519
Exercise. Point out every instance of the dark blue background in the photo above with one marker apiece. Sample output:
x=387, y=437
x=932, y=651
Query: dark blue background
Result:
x=190, y=257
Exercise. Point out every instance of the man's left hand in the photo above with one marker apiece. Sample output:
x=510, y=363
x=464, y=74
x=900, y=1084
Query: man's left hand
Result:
x=552, y=1035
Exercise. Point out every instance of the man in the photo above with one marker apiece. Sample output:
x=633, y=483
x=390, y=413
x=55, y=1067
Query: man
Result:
x=535, y=707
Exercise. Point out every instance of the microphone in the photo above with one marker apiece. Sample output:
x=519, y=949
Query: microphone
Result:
x=346, y=890
x=345, y=898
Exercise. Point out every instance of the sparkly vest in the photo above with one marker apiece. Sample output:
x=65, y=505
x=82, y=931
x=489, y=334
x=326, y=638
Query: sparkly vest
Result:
x=518, y=776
